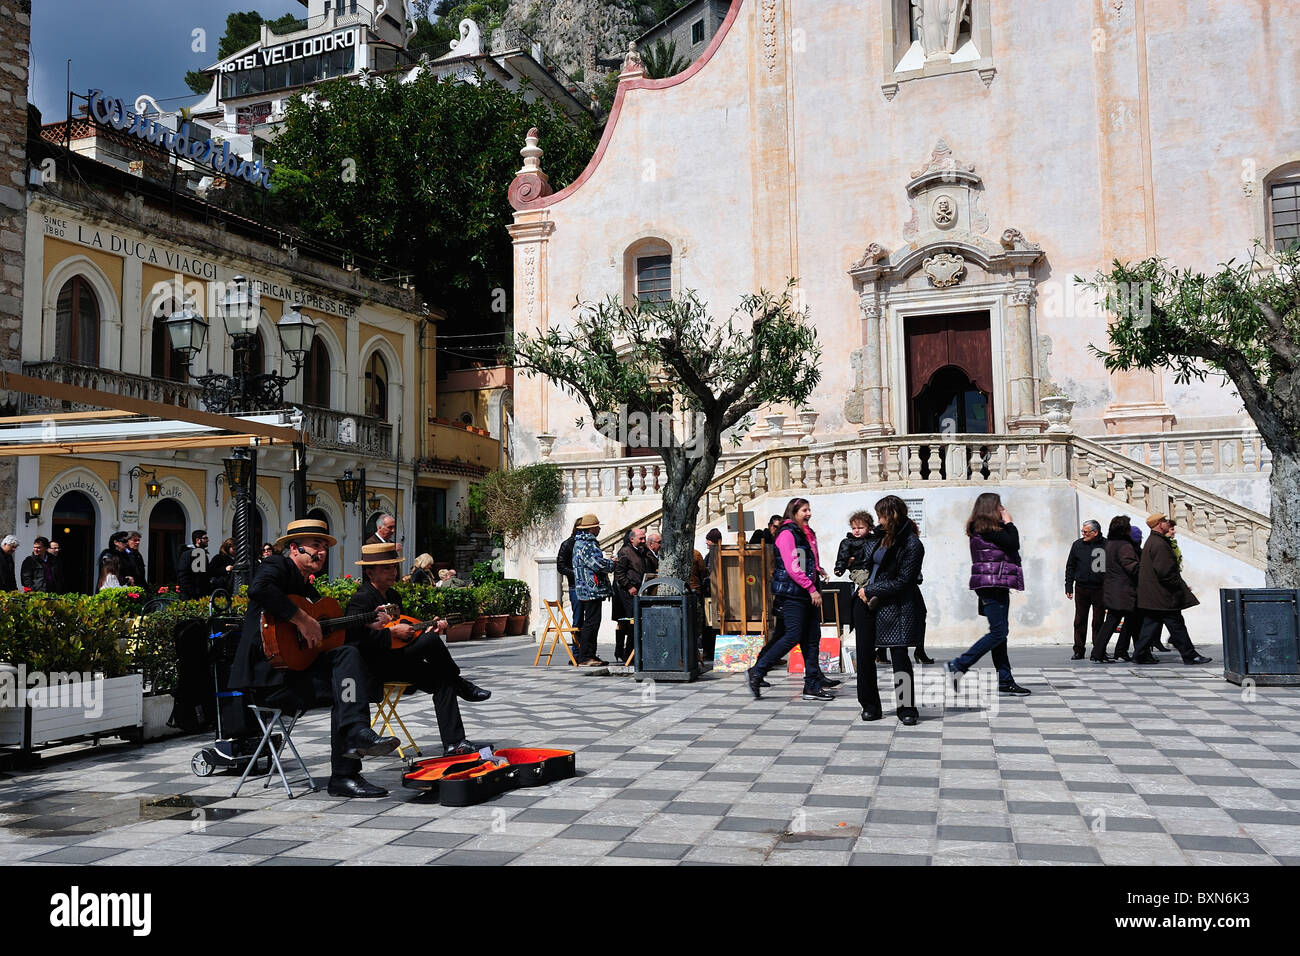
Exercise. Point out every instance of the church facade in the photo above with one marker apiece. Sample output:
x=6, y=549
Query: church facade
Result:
x=934, y=175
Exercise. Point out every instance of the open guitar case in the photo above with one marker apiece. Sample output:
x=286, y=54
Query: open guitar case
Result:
x=468, y=779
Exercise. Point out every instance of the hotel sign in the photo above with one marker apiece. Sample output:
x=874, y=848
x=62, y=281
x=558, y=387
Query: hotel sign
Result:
x=296, y=50
x=107, y=111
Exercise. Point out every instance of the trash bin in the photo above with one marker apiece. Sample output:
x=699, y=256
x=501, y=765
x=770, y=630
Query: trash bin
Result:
x=665, y=632
x=1261, y=635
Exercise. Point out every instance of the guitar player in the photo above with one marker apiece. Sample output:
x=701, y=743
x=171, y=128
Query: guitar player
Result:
x=338, y=675
x=425, y=662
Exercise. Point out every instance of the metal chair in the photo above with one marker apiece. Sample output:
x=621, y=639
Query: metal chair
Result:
x=269, y=718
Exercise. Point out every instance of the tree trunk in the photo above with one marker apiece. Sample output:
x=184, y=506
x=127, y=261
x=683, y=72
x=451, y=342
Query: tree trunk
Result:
x=687, y=483
x=1284, y=541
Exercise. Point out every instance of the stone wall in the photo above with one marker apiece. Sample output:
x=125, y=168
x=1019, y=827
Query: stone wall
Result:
x=15, y=33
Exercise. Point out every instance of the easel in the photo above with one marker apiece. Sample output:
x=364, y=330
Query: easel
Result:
x=740, y=576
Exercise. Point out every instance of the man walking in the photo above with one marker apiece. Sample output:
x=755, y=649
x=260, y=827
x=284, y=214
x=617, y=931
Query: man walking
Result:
x=8, y=581
x=1085, y=571
x=1163, y=594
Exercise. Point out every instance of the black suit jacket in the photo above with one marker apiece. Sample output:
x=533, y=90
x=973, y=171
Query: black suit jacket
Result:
x=367, y=598
x=7, y=580
x=276, y=578
x=33, y=573
x=133, y=564
x=193, y=584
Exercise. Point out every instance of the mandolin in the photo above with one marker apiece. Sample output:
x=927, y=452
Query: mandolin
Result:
x=286, y=649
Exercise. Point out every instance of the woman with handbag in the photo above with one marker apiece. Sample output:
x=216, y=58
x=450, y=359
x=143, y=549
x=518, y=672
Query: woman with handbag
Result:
x=995, y=572
x=889, y=611
x=794, y=591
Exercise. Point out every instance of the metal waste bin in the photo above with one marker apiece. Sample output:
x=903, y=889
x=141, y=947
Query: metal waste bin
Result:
x=665, y=635
x=1261, y=635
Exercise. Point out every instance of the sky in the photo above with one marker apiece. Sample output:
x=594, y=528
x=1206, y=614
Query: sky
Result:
x=128, y=47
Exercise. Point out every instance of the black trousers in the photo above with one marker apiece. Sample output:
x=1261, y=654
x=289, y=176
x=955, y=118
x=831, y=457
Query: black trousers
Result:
x=428, y=665
x=864, y=628
x=590, y=630
x=623, y=634
x=339, y=677
x=1128, y=634
x=1178, y=635
x=1086, y=597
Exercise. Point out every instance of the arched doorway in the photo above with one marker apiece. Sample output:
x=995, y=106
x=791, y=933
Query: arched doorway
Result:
x=73, y=526
x=950, y=403
x=166, y=538
x=318, y=514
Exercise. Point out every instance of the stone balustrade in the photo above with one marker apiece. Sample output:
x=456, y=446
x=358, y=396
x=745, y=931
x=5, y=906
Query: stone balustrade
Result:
x=1225, y=452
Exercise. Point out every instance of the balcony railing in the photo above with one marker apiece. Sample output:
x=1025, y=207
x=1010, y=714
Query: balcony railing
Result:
x=327, y=428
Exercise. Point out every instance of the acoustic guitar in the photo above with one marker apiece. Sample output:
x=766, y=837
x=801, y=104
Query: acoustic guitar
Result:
x=286, y=649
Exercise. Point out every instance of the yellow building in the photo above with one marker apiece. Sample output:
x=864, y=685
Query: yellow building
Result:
x=109, y=256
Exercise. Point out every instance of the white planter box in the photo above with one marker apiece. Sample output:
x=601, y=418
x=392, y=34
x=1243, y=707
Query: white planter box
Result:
x=74, y=710
x=156, y=710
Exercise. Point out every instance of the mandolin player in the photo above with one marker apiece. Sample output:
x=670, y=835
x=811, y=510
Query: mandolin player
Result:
x=424, y=662
x=338, y=675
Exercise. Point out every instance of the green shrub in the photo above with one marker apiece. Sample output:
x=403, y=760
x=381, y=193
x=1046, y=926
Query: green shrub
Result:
x=152, y=651
x=63, y=632
x=424, y=602
x=517, y=596
x=485, y=571
x=518, y=499
x=340, y=589
x=459, y=604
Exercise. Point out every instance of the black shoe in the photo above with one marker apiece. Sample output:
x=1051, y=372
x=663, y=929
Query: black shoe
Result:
x=466, y=690
x=1078, y=656
x=367, y=743
x=954, y=677
x=1157, y=646
x=1198, y=659
x=882, y=657
x=1102, y=660
x=1146, y=659
x=755, y=684
x=829, y=682
x=907, y=716
x=1014, y=690
x=1123, y=657
x=462, y=749
x=921, y=658
x=764, y=683
x=870, y=715
x=818, y=693
x=355, y=786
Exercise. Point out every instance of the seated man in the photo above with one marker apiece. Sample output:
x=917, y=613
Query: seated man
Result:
x=339, y=674
x=424, y=662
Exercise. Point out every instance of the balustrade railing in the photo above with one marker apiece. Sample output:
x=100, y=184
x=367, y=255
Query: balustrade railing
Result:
x=1226, y=452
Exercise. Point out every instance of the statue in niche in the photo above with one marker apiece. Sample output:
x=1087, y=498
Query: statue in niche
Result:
x=938, y=23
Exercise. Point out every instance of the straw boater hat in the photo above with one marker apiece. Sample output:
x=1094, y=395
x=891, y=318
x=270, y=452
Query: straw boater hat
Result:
x=587, y=522
x=306, y=528
x=383, y=553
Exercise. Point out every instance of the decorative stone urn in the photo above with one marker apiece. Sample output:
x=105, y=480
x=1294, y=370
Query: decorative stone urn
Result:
x=775, y=424
x=546, y=443
x=1057, y=410
x=807, y=421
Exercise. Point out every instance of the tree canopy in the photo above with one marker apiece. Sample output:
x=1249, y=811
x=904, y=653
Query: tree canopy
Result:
x=415, y=175
x=638, y=367
x=1241, y=321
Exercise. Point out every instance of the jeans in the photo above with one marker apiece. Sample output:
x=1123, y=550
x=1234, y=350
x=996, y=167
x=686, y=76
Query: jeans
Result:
x=575, y=606
x=803, y=626
x=994, y=642
x=1178, y=635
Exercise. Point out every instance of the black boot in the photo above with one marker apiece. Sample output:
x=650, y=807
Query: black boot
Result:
x=921, y=657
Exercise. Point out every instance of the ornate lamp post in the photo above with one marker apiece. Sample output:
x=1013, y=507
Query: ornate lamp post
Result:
x=244, y=391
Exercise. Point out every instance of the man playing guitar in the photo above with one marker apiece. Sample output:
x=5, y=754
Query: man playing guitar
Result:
x=338, y=674
x=424, y=662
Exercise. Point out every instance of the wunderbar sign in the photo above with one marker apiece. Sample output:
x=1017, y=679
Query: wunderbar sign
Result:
x=108, y=111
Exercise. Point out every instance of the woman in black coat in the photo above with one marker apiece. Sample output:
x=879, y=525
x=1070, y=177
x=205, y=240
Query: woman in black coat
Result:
x=1119, y=592
x=889, y=611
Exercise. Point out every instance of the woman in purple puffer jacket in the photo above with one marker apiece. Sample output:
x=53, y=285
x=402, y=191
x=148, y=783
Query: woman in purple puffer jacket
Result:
x=995, y=571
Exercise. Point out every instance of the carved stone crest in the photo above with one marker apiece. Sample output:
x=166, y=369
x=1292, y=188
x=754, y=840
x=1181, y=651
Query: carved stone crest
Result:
x=944, y=270
x=874, y=253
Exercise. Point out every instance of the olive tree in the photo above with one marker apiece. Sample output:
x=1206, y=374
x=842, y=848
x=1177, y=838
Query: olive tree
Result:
x=668, y=376
x=1241, y=322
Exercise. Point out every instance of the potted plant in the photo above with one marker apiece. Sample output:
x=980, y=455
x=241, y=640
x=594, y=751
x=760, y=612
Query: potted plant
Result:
x=517, y=606
x=460, y=607
x=494, y=602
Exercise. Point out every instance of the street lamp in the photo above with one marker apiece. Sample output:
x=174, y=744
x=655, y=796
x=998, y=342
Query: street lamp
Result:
x=297, y=332
x=151, y=486
x=187, y=331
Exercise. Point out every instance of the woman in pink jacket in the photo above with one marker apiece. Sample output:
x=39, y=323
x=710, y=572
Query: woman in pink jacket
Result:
x=794, y=591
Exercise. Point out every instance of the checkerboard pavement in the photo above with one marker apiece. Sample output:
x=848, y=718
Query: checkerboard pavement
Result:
x=1102, y=765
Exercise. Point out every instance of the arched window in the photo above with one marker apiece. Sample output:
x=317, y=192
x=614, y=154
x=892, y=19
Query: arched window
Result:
x=1283, y=198
x=377, y=387
x=167, y=363
x=316, y=376
x=76, y=323
x=648, y=271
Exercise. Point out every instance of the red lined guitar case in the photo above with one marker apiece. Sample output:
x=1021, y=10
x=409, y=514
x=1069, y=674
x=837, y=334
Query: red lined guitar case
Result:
x=466, y=780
